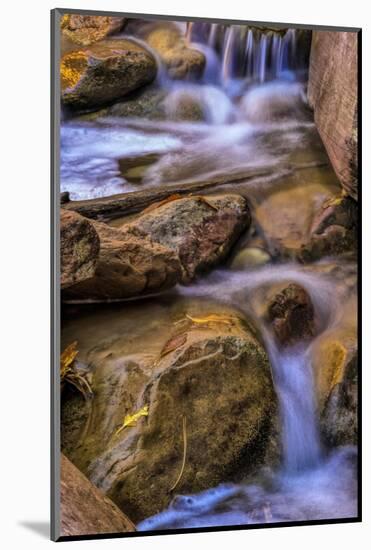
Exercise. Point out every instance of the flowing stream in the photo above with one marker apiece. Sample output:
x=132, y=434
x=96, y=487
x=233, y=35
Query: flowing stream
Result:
x=254, y=118
x=311, y=483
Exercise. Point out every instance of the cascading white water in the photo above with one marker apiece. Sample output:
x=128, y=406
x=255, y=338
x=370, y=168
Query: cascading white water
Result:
x=309, y=484
x=292, y=372
x=246, y=52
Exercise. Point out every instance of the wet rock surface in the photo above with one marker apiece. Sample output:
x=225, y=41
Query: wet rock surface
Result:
x=335, y=366
x=200, y=229
x=333, y=231
x=84, y=30
x=180, y=60
x=167, y=243
x=103, y=72
x=127, y=266
x=291, y=314
x=79, y=244
x=210, y=370
x=84, y=509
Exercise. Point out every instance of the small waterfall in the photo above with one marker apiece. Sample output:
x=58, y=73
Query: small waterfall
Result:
x=249, y=53
x=228, y=54
x=292, y=373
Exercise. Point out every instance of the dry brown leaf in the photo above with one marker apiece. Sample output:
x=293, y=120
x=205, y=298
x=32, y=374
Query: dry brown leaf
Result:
x=173, y=343
x=204, y=199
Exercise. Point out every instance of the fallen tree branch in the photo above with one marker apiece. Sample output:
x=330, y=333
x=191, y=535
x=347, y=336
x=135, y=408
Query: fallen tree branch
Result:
x=117, y=206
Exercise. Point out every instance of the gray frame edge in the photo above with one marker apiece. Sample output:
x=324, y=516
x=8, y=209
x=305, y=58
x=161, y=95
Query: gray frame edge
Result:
x=147, y=16
x=55, y=280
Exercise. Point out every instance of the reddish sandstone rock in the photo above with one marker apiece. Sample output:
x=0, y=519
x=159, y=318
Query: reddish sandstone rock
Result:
x=84, y=509
x=79, y=248
x=201, y=230
x=332, y=92
x=127, y=266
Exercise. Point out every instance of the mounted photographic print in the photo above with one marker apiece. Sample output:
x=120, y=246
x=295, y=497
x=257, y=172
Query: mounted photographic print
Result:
x=206, y=194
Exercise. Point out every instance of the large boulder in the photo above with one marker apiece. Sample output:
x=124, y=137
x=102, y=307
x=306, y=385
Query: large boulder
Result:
x=127, y=266
x=106, y=71
x=171, y=241
x=201, y=230
x=205, y=390
x=291, y=315
x=84, y=509
x=87, y=29
x=333, y=93
x=79, y=248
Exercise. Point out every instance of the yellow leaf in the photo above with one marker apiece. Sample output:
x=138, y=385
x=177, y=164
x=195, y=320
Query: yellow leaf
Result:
x=131, y=419
x=68, y=357
x=213, y=318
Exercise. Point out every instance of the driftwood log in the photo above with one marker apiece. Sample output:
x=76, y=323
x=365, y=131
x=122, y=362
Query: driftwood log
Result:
x=120, y=205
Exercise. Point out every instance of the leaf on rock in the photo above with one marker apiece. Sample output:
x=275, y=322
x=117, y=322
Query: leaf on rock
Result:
x=214, y=318
x=203, y=199
x=70, y=373
x=130, y=420
x=67, y=358
x=157, y=204
x=173, y=343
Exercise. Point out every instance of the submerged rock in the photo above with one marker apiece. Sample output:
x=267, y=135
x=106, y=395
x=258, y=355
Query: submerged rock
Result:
x=143, y=103
x=250, y=257
x=167, y=40
x=79, y=244
x=333, y=231
x=87, y=29
x=182, y=104
x=291, y=314
x=127, y=266
x=84, y=509
x=133, y=169
x=211, y=405
x=103, y=72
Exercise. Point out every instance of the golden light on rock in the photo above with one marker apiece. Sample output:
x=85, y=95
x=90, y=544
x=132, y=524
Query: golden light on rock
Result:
x=72, y=68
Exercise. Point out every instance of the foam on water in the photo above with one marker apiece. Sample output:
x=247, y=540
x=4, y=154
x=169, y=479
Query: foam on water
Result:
x=326, y=492
x=90, y=153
